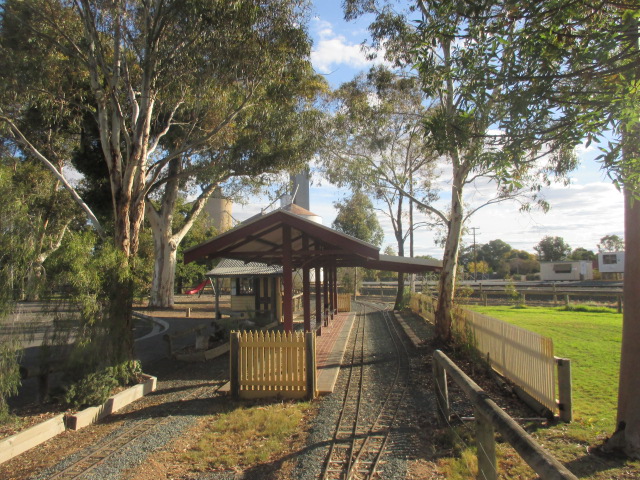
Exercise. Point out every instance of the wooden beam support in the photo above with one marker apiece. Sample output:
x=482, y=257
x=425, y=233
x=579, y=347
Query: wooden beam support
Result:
x=306, y=290
x=287, y=278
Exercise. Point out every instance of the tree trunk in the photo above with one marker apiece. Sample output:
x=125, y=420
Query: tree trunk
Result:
x=165, y=241
x=627, y=436
x=400, y=239
x=164, y=268
x=446, y=291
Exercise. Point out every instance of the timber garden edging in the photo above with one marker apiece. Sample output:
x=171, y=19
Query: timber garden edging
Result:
x=14, y=445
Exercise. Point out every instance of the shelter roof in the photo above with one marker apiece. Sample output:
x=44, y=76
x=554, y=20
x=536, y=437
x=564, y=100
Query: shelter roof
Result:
x=229, y=267
x=265, y=238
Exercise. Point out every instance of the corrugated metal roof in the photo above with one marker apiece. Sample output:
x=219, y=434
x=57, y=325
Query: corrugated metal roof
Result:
x=237, y=268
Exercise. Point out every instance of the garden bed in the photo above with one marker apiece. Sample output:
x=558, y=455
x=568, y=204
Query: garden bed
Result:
x=39, y=433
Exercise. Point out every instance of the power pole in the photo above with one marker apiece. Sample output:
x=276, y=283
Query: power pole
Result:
x=475, y=255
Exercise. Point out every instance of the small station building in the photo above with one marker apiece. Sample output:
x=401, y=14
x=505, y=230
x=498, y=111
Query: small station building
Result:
x=271, y=247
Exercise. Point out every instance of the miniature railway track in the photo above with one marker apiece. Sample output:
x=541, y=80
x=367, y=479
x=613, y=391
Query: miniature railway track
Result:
x=92, y=457
x=359, y=441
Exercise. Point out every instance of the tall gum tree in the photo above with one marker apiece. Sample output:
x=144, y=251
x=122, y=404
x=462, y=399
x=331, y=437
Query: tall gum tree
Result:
x=374, y=134
x=571, y=73
x=144, y=61
x=438, y=50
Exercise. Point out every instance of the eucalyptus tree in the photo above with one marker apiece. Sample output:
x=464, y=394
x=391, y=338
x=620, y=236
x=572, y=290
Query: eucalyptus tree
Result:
x=357, y=217
x=573, y=75
x=375, y=143
x=435, y=42
x=552, y=249
x=147, y=70
x=264, y=139
x=611, y=243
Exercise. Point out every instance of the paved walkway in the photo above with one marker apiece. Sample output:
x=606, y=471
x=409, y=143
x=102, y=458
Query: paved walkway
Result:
x=330, y=348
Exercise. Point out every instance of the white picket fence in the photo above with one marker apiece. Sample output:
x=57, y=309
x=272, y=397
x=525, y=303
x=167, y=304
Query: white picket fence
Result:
x=524, y=357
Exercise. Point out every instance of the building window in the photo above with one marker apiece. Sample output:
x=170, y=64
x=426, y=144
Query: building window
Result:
x=562, y=268
x=610, y=259
x=244, y=286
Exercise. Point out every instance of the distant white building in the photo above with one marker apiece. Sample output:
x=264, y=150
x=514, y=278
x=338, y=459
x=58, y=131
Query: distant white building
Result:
x=610, y=264
x=575, y=270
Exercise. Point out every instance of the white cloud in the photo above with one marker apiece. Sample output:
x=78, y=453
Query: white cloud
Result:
x=332, y=50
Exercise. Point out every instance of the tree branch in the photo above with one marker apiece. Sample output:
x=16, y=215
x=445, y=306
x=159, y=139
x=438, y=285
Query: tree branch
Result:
x=19, y=137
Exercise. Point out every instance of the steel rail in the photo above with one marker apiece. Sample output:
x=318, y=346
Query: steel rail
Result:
x=380, y=429
x=97, y=454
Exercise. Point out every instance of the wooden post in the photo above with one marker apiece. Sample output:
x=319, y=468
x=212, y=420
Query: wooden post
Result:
x=325, y=293
x=306, y=289
x=565, y=396
x=335, y=288
x=555, y=296
x=619, y=303
x=442, y=394
x=331, y=282
x=218, y=314
x=524, y=298
x=287, y=278
x=306, y=299
x=486, y=301
x=486, y=445
x=234, y=358
x=318, y=298
x=310, y=353
x=566, y=300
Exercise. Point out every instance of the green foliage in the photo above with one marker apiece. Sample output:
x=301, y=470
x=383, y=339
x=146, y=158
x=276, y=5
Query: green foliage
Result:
x=89, y=274
x=611, y=243
x=9, y=373
x=94, y=388
x=581, y=253
x=357, y=218
x=552, y=249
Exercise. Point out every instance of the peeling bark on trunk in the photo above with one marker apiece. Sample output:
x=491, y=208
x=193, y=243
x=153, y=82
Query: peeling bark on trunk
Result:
x=443, y=314
x=164, y=269
x=400, y=240
x=165, y=241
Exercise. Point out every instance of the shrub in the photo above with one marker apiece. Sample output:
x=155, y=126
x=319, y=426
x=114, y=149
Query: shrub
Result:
x=93, y=389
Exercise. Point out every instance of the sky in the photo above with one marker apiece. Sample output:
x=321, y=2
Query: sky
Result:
x=581, y=213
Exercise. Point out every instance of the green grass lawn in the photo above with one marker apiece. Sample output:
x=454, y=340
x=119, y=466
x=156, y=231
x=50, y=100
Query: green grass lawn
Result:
x=591, y=339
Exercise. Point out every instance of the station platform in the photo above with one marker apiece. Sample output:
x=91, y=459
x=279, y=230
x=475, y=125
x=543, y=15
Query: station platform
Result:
x=330, y=349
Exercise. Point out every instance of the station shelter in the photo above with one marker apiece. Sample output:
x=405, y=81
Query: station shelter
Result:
x=284, y=241
x=255, y=288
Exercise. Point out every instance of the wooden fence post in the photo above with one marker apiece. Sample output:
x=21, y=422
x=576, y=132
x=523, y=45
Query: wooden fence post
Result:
x=566, y=300
x=234, y=358
x=565, y=399
x=310, y=353
x=486, y=445
x=619, y=303
x=441, y=391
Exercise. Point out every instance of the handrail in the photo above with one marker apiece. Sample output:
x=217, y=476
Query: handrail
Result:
x=489, y=416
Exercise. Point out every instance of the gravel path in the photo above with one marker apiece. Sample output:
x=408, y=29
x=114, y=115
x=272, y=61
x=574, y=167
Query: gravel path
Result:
x=183, y=395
